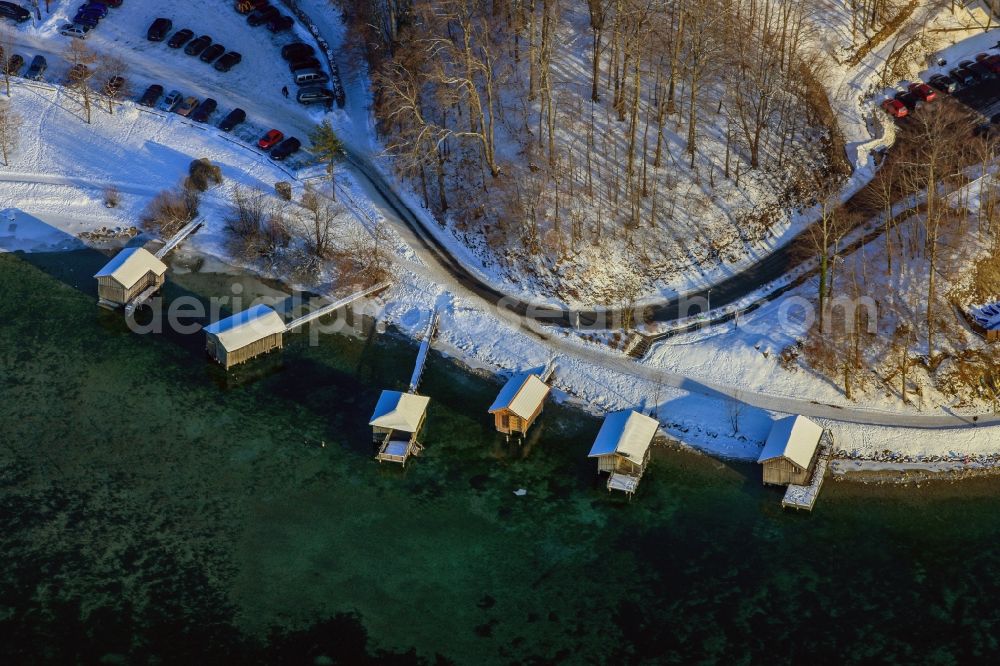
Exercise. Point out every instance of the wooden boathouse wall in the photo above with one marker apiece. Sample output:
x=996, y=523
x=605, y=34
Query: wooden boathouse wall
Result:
x=111, y=290
x=508, y=423
x=782, y=471
x=244, y=353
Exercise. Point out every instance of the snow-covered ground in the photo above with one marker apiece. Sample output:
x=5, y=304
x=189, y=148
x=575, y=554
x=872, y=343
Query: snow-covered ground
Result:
x=57, y=175
x=701, y=215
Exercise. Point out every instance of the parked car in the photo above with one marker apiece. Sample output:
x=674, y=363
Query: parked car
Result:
x=962, y=76
x=280, y=24
x=186, y=107
x=909, y=100
x=297, y=51
x=232, y=119
x=943, y=83
x=982, y=71
x=205, y=110
x=212, y=52
x=314, y=95
x=247, y=6
x=285, y=148
x=9, y=10
x=993, y=62
x=158, y=29
x=228, y=61
x=171, y=101
x=895, y=108
x=89, y=20
x=78, y=30
x=196, y=46
x=98, y=8
x=263, y=15
x=922, y=91
x=270, y=140
x=152, y=95
x=36, y=69
x=114, y=86
x=310, y=77
x=78, y=72
x=305, y=63
x=14, y=65
x=180, y=38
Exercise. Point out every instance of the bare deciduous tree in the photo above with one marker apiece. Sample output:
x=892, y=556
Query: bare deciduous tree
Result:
x=111, y=77
x=81, y=59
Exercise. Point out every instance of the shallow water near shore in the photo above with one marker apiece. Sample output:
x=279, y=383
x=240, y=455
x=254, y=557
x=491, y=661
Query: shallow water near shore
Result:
x=154, y=509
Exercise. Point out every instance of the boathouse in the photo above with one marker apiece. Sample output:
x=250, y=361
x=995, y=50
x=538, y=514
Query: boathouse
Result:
x=790, y=452
x=622, y=448
x=986, y=321
x=519, y=403
x=131, y=272
x=247, y=334
x=396, y=424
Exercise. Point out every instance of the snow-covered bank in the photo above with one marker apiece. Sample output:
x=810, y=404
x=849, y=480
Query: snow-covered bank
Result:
x=700, y=385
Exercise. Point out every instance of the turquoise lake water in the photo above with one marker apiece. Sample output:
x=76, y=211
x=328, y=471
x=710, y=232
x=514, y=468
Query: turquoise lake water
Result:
x=156, y=510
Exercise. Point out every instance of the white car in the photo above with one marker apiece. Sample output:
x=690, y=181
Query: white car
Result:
x=171, y=101
x=77, y=30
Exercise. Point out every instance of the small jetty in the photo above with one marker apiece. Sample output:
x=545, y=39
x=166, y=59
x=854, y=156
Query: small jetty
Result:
x=134, y=274
x=259, y=330
x=796, y=454
x=804, y=497
x=521, y=400
x=336, y=305
x=399, y=417
x=179, y=237
x=622, y=449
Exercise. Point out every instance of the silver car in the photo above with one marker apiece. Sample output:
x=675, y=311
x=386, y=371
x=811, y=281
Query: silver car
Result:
x=77, y=30
x=171, y=101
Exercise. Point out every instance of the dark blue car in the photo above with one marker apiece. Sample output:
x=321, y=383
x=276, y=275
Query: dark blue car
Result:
x=89, y=20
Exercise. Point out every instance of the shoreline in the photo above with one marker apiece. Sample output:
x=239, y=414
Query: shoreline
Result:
x=884, y=467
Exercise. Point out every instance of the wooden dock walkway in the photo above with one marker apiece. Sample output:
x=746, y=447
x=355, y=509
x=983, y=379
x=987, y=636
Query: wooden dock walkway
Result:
x=343, y=302
x=179, y=237
x=425, y=345
x=804, y=497
x=132, y=305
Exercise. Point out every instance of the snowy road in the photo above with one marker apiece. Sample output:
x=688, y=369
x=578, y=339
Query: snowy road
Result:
x=440, y=266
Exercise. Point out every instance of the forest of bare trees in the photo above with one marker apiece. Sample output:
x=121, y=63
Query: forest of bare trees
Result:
x=539, y=150
x=893, y=315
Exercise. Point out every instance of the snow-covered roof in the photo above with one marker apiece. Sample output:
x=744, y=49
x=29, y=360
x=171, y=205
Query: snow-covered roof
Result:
x=128, y=266
x=627, y=433
x=794, y=438
x=246, y=327
x=521, y=395
x=988, y=316
x=399, y=411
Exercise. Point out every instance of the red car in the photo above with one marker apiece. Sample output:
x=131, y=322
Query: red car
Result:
x=923, y=91
x=273, y=138
x=895, y=108
x=993, y=62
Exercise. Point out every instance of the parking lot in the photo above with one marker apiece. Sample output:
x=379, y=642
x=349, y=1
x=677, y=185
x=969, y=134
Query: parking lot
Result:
x=983, y=97
x=255, y=84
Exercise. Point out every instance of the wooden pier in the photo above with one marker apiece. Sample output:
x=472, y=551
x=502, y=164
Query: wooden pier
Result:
x=805, y=496
x=399, y=417
x=425, y=345
x=179, y=237
x=331, y=307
